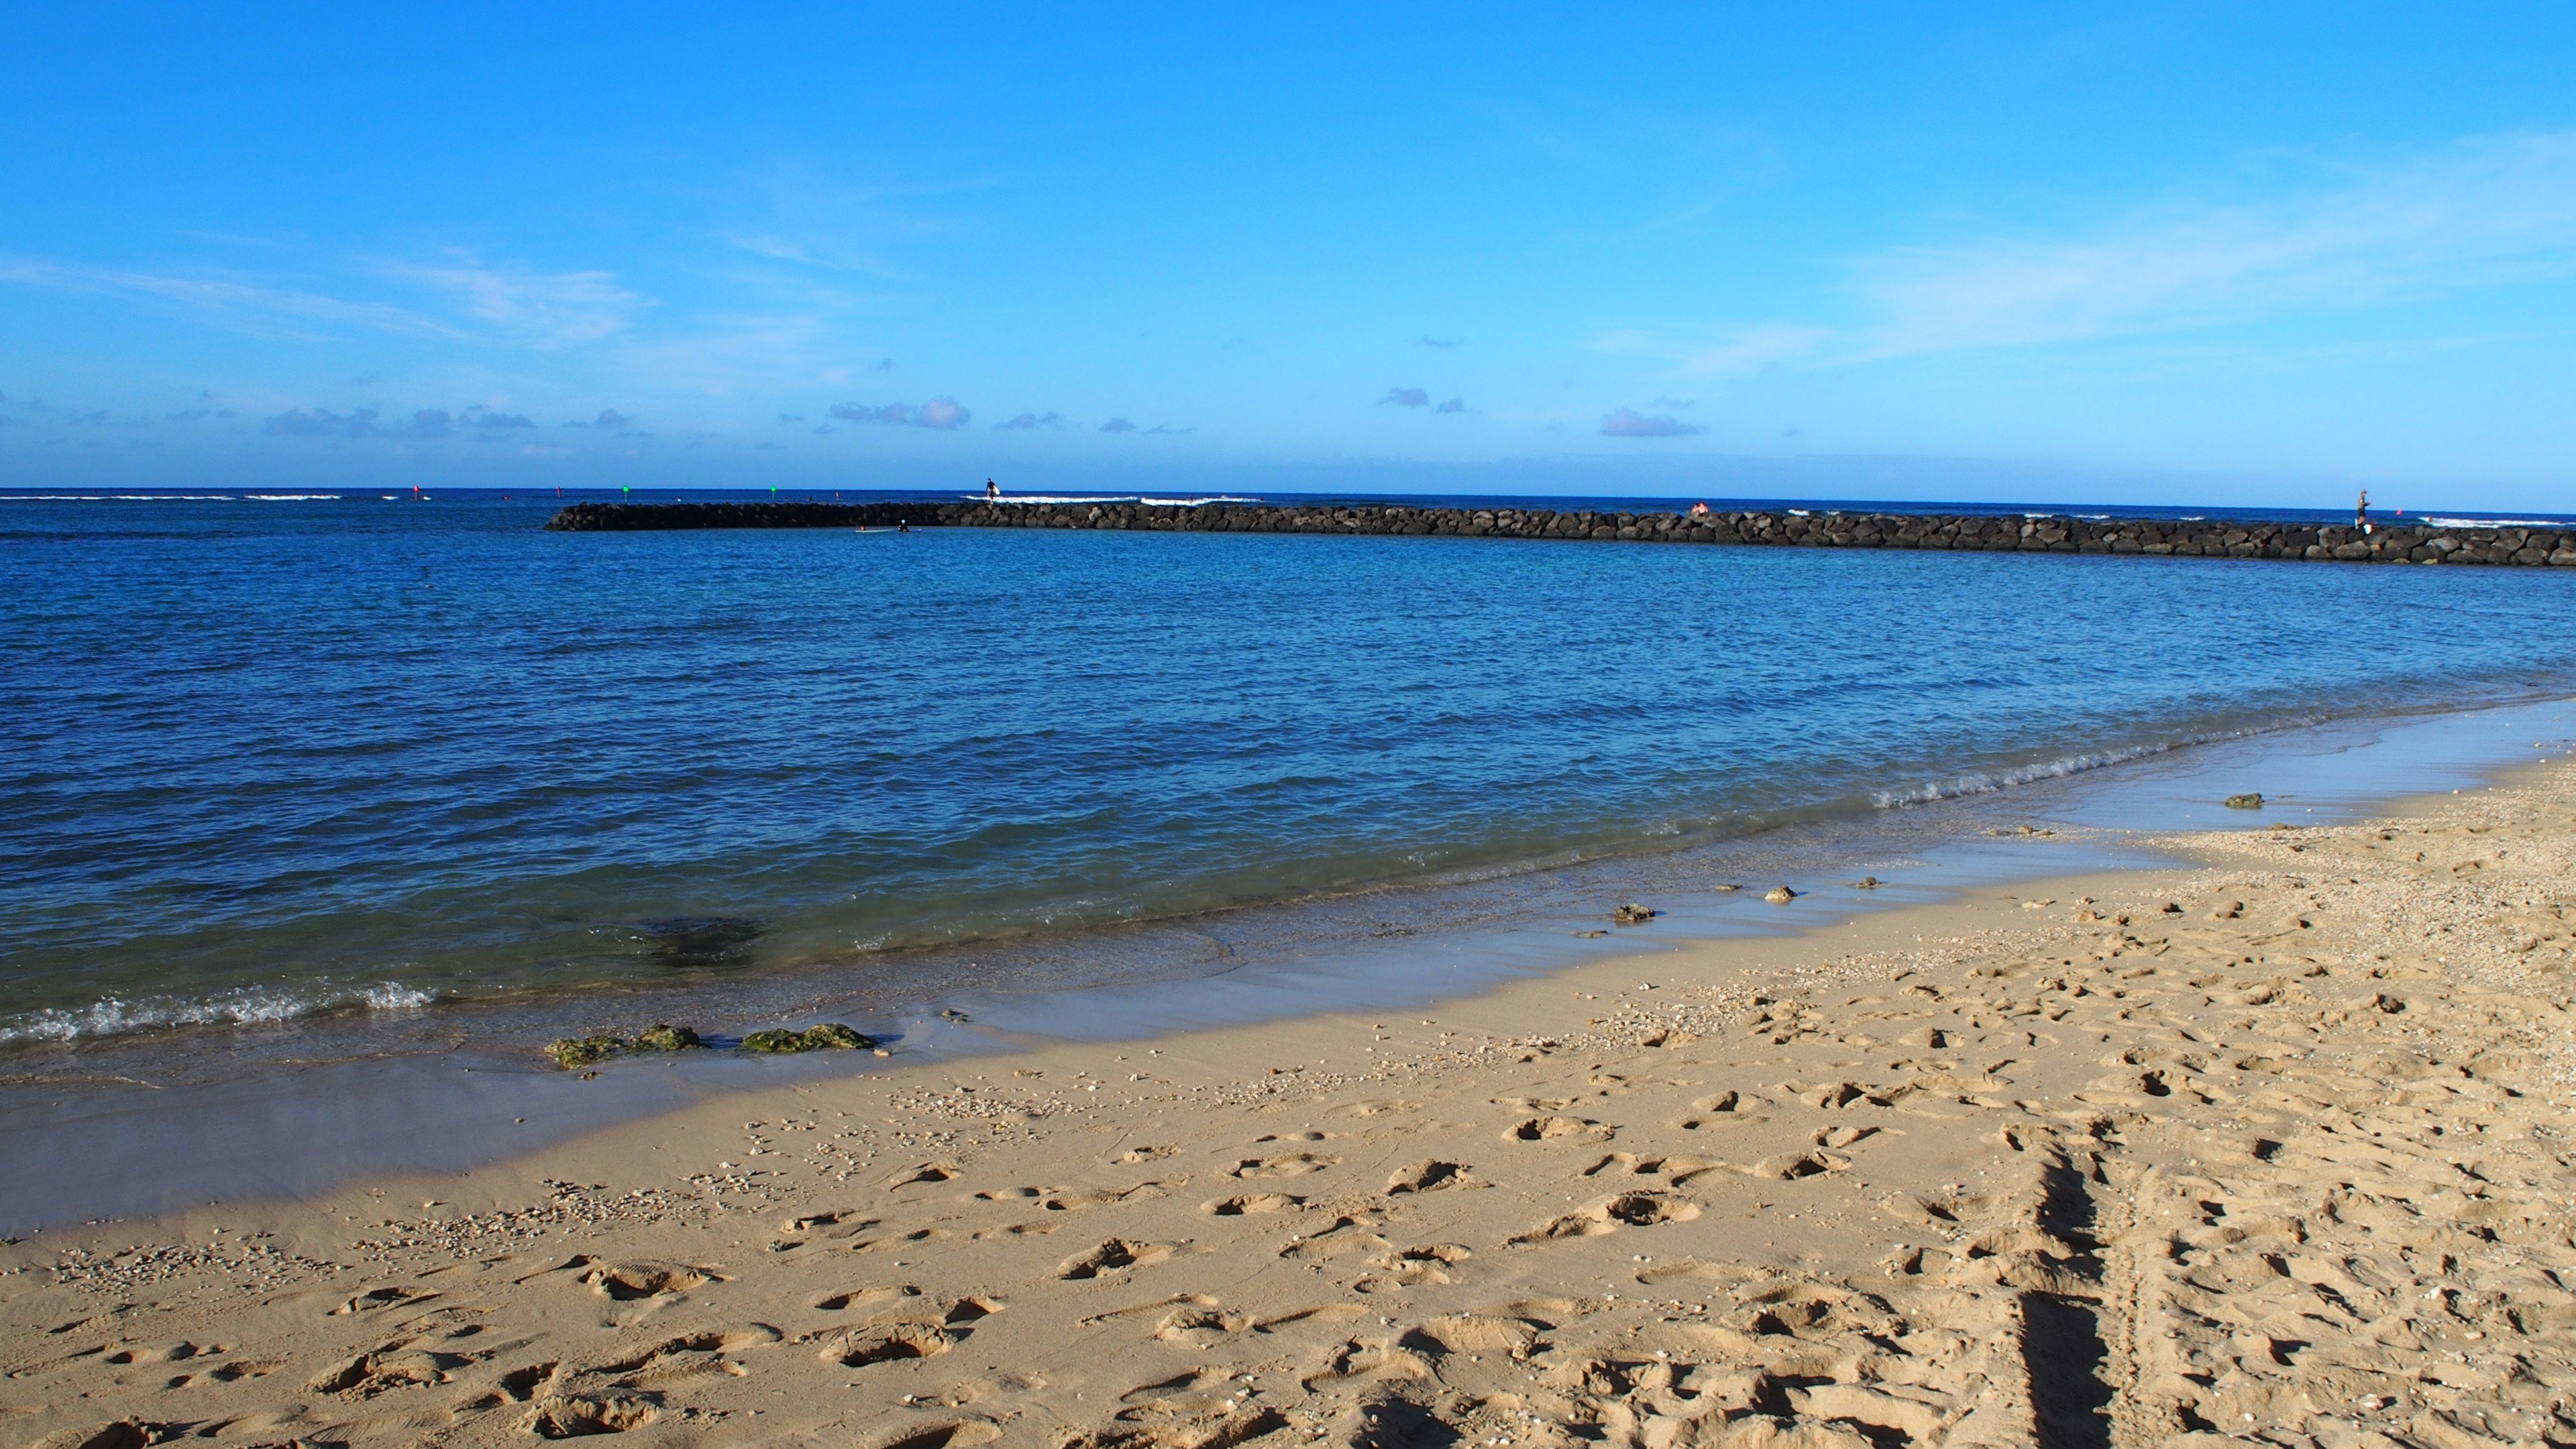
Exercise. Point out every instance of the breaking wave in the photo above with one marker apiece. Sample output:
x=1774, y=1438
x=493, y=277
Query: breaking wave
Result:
x=244, y=1006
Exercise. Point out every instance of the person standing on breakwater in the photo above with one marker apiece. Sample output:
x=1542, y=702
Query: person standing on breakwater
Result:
x=992, y=491
x=2361, y=512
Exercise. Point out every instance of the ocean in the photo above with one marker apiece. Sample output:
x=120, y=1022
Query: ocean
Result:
x=361, y=758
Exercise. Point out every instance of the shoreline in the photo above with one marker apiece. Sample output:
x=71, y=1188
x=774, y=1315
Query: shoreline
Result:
x=280, y=1122
x=1874, y=1180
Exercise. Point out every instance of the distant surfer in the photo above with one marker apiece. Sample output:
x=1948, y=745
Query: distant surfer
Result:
x=992, y=491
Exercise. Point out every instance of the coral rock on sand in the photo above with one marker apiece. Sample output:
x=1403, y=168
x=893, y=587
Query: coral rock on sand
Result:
x=1779, y=895
x=583, y=1051
x=829, y=1036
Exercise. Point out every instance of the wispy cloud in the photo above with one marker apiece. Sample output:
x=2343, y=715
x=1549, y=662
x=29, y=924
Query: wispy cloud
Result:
x=251, y=304
x=1025, y=421
x=322, y=423
x=550, y=309
x=1453, y=405
x=1629, y=423
x=1444, y=343
x=1117, y=425
x=2477, y=214
x=1405, y=397
x=941, y=414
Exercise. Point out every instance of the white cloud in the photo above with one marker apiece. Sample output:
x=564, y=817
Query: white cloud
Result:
x=2477, y=214
x=941, y=414
x=1629, y=423
x=248, y=304
x=552, y=309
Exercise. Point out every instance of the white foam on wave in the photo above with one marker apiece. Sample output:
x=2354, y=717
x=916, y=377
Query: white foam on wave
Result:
x=2437, y=521
x=169, y=497
x=1982, y=782
x=245, y=1006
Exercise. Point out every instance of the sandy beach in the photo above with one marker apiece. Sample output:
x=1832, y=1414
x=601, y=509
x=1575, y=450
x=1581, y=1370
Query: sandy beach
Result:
x=2265, y=1145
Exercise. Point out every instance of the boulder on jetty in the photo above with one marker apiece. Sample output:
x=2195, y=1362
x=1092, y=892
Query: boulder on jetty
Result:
x=831, y=1035
x=1827, y=528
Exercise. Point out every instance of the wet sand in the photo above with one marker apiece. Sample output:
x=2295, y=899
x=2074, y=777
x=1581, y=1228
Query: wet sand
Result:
x=2268, y=1144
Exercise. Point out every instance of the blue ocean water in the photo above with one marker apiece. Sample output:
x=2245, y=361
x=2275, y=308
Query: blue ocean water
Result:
x=267, y=758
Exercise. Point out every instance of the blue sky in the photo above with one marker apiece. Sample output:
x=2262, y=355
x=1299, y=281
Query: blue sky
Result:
x=2205, y=253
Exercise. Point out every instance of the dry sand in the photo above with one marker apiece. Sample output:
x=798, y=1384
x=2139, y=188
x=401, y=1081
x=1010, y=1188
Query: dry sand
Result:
x=2270, y=1147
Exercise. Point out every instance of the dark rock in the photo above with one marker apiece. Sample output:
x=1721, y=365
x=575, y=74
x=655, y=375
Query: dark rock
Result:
x=665, y=1038
x=1633, y=914
x=582, y=1051
x=2252, y=800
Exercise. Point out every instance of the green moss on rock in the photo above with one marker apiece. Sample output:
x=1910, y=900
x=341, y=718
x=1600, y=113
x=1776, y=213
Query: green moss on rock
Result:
x=831, y=1035
x=583, y=1051
x=666, y=1038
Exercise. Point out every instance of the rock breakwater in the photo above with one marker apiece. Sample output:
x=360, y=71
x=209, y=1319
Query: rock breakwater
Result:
x=2185, y=537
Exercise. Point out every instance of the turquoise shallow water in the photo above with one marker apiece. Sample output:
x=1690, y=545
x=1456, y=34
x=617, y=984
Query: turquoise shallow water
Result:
x=269, y=759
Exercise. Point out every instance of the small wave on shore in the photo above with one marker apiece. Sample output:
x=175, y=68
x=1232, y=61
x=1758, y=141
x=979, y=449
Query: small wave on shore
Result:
x=243, y=1006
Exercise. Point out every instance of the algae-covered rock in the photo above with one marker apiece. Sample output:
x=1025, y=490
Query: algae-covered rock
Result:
x=831, y=1035
x=583, y=1051
x=2250, y=801
x=665, y=1038
x=1633, y=914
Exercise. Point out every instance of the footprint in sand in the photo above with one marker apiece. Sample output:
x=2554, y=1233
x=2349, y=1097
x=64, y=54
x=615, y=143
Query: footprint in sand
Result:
x=1251, y=1203
x=866, y=1299
x=577, y=1415
x=1429, y=1175
x=886, y=1343
x=1098, y=1197
x=1111, y=1256
x=627, y=1281
x=950, y=1434
x=1552, y=1129
x=1424, y=1264
x=1291, y=1164
x=1627, y=1209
